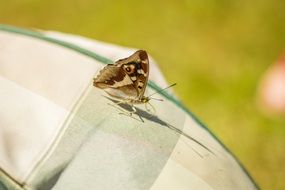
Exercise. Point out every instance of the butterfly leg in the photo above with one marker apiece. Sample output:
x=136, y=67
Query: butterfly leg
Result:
x=135, y=111
x=153, y=111
x=126, y=112
x=130, y=113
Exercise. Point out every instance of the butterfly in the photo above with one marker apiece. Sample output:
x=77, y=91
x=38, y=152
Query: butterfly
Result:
x=126, y=80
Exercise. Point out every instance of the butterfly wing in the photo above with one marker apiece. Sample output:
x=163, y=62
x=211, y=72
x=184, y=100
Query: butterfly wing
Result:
x=127, y=78
x=115, y=82
x=137, y=67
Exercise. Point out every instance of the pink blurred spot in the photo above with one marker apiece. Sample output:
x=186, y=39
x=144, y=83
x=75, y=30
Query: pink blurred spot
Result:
x=272, y=88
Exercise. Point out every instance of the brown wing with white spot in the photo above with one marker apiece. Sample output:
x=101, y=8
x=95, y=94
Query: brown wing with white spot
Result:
x=127, y=78
x=137, y=67
x=115, y=82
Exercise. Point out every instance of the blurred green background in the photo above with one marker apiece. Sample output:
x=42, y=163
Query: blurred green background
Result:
x=216, y=50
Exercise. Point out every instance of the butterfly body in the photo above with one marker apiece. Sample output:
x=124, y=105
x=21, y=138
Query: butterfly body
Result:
x=126, y=79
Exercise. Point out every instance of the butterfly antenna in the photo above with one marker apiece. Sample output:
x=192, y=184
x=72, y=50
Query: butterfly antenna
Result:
x=157, y=99
x=161, y=90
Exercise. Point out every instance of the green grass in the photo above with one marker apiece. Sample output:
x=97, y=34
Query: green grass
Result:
x=216, y=50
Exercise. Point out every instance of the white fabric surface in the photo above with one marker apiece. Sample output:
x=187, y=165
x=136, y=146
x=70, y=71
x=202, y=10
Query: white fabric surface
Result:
x=41, y=82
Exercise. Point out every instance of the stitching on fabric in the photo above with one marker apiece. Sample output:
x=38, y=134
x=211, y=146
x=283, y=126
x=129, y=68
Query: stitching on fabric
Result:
x=11, y=179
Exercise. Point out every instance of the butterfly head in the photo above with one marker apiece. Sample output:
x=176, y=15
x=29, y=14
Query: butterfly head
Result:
x=145, y=99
